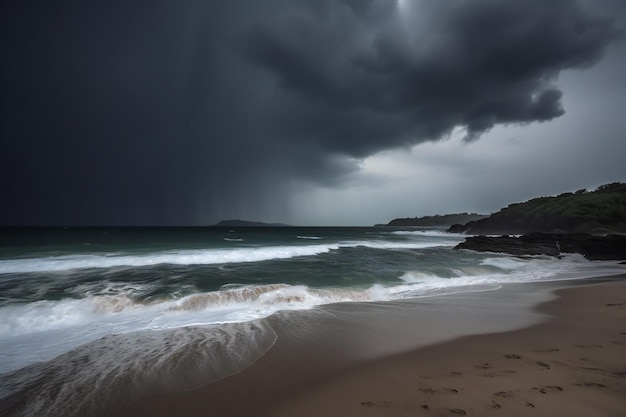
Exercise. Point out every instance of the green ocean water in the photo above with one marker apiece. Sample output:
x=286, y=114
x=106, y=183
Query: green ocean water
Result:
x=130, y=299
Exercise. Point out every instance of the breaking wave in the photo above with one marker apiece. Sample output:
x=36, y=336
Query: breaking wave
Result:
x=77, y=321
x=195, y=257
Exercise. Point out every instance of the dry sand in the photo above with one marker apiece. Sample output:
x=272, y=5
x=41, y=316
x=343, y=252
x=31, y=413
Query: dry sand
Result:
x=574, y=364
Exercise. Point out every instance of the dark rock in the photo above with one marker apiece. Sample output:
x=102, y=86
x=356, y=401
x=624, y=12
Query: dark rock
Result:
x=461, y=228
x=592, y=247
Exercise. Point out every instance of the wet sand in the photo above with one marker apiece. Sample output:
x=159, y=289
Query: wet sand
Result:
x=573, y=363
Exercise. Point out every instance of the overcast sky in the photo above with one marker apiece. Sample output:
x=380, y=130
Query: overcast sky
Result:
x=309, y=112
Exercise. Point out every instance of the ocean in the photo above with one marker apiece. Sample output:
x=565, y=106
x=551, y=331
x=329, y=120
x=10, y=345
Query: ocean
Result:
x=93, y=316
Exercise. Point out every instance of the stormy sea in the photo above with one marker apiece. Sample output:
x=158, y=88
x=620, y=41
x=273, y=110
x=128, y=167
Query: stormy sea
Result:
x=93, y=317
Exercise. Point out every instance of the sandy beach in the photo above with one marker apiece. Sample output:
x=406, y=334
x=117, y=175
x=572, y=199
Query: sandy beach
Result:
x=573, y=363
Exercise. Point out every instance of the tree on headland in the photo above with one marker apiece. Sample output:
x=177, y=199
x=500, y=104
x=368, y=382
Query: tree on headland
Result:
x=600, y=211
x=436, y=220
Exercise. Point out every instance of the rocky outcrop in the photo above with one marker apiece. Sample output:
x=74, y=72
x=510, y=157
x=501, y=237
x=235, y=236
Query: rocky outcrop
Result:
x=592, y=247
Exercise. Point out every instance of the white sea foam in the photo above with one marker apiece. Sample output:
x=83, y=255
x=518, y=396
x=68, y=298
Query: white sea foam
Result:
x=430, y=233
x=383, y=244
x=503, y=262
x=114, y=305
x=196, y=256
x=41, y=330
x=181, y=257
x=508, y=270
x=123, y=313
x=66, y=324
x=413, y=277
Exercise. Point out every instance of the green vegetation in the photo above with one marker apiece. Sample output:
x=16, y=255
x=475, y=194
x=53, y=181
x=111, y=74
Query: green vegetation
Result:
x=599, y=212
x=436, y=220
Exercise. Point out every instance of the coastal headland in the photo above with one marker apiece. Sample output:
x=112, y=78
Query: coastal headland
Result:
x=591, y=223
x=598, y=212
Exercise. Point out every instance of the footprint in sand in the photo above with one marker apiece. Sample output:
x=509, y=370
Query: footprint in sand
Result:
x=548, y=388
x=431, y=391
x=381, y=404
x=589, y=384
x=495, y=405
x=505, y=394
x=543, y=365
x=547, y=350
x=453, y=374
x=378, y=404
x=512, y=356
x=588, y=346
x=457, y=411
x=529, y=405
x=483, y=366
x=589, y=368
x=495, y=374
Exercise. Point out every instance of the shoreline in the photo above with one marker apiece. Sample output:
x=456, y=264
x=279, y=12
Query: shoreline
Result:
x=296, y=378
x=571, y=364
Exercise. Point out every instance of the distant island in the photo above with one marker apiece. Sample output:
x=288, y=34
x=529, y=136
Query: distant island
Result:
x=601, y=211
x=436, y=220
x=246, y=223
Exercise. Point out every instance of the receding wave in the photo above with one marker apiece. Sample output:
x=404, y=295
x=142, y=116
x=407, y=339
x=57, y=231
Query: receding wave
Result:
x=125, y=367
x=73, y=322
x=125, y=313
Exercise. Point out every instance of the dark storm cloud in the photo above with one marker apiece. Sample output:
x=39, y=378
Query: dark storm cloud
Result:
x=160, y=112
x=475, y=64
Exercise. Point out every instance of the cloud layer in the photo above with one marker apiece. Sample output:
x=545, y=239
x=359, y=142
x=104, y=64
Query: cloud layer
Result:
x=163, y=113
